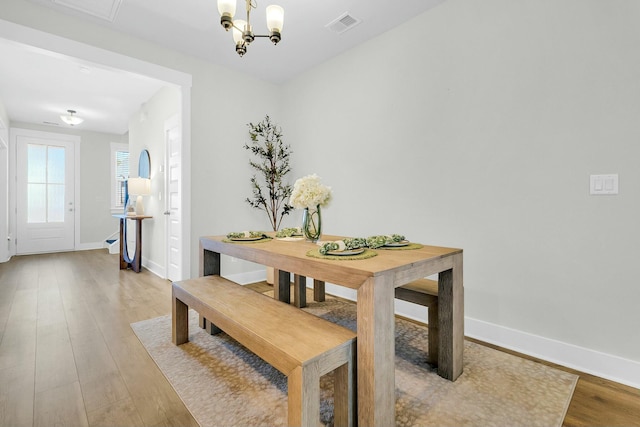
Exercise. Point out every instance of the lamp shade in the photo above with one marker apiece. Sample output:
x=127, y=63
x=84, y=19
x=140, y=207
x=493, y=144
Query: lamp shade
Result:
x=139, y=186
x=227, y=7
x=70, y=119
x=275, y=18
x=237, y=34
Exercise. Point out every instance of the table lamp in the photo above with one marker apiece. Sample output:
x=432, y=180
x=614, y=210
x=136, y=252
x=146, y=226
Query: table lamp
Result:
x=139, y=187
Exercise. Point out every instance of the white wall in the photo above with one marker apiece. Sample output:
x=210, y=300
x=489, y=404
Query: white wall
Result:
x=219, y=170
x=96, y=222
x=482, y=134
x=146, y=131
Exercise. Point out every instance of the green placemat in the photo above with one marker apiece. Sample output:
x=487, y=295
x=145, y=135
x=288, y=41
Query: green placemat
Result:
x=368, y=253
x=402, y=248
x=243, y=242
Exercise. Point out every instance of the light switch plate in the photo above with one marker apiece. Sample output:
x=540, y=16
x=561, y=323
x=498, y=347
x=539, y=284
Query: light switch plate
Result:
x=603, y=184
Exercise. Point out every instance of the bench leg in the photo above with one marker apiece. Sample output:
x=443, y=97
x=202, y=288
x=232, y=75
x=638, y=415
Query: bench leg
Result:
x=344, y=395
x=179, y=322
x=318, y=290
x=304, y=396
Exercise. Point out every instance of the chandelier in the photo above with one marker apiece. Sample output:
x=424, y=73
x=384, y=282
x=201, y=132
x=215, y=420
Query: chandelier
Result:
x=242, y=31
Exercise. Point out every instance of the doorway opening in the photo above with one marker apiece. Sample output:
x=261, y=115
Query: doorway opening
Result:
x=79, y=51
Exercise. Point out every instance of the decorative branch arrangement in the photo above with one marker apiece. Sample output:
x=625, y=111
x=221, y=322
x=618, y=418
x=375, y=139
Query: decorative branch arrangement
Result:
x=270, y=192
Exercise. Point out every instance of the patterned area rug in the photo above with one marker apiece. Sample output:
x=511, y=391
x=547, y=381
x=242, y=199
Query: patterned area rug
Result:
x=223, y=384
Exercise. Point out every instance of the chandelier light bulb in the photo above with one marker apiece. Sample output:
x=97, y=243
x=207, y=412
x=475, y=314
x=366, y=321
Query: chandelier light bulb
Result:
x=275, y=21
x=275, y=18
x=227, y=9
x=238, y=28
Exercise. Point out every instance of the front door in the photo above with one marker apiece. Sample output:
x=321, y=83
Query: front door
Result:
x=45, y=208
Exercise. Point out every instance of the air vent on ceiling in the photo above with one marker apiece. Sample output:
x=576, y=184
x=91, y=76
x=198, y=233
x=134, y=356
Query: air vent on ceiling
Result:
x=104, y=9
x=51, y=123
x=343, y=23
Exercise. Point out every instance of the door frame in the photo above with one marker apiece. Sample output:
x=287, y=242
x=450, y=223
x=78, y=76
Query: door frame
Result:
x=75, y=49
x=4, y=192
x=171, y=122
x=15, y=133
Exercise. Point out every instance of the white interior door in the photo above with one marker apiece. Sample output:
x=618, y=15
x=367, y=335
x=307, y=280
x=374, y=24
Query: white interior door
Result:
x=4, y=192
x=45, y=194
x=173, y=199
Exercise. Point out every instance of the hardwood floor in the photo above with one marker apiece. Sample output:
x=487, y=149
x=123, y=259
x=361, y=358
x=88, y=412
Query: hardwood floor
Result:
x=68, y=356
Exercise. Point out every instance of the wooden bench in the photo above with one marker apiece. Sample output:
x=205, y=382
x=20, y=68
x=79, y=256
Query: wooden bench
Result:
x=301, y=346
x=425, y=292
x=422, y=292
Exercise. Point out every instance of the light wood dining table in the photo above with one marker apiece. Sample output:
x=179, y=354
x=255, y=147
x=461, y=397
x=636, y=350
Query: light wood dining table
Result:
x=374, y=279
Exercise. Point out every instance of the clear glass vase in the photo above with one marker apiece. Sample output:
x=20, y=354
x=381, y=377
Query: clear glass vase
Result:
x=312, y=223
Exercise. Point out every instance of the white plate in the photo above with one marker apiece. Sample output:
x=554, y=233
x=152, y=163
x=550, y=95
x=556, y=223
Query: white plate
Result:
x=290, y=239
x=397, y=244
x=348, y=252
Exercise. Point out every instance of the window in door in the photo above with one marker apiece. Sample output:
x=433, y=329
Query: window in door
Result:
x=45, y=183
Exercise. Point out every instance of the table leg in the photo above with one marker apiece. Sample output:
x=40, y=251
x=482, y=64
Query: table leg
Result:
x=209, y=265
x=451, y=321
x=376, y=352
x=300, y=290
x=283, y=283
x=136, y=263
x=123, y=263
x=318, y=290
x=209, y=262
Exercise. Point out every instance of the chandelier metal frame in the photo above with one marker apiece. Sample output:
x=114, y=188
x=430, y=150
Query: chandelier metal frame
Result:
x=243, y=34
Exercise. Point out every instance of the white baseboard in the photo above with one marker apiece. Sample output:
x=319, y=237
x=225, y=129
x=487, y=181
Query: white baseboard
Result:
x=89, y=246
x=241, y=278
x=153, y=267
x=592, y=362
x=249, y=277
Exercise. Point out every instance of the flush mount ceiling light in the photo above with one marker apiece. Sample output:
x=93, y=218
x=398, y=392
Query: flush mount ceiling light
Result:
x=70, y=119
x=242, y=31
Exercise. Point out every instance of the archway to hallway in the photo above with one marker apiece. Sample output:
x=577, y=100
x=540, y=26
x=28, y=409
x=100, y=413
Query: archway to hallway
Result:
x=74, y=50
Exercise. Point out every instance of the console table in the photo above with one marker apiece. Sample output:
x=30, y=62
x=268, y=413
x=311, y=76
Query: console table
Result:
x=125, y=260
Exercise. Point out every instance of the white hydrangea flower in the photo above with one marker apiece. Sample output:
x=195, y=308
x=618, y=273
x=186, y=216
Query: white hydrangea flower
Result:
x=308, y=192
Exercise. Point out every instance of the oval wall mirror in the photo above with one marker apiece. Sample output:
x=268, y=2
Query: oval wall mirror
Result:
x=144, y=165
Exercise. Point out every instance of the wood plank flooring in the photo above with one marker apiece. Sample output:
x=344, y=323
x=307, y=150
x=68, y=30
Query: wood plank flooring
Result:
x=68, y=356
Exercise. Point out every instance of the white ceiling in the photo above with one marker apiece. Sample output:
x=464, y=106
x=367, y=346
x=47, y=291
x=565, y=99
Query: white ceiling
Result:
x=37, y=86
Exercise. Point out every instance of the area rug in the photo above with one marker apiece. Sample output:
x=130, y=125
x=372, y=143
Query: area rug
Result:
x=223, y=384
